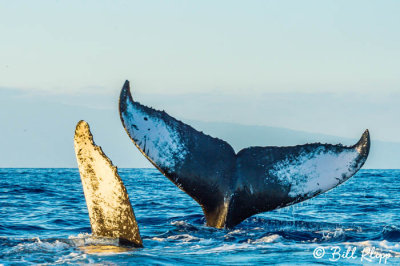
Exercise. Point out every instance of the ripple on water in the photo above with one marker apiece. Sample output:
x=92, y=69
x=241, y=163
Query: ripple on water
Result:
x=43, y=219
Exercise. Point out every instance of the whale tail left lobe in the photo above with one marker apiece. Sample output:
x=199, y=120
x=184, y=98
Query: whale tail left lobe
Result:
x=110, y=211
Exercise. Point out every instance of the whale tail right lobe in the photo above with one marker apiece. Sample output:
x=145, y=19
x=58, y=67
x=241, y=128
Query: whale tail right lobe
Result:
x=110, y=211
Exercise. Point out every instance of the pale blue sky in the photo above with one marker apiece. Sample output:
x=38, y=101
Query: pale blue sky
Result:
x=187, y=46
x=328, y=67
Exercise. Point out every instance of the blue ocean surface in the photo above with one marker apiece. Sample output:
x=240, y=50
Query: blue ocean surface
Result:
x=44, y=220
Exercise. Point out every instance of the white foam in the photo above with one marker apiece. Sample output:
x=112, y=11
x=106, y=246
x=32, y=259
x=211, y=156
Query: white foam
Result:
x=265, y=239
x=40, y=245
x=158, y=239
x=86, y=239
x=73, y=257
x=184, y=238
x=326, y=234
x=181, y=223
x=234, y=232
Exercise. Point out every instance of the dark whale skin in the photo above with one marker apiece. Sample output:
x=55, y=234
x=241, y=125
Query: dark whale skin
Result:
x=231, y=187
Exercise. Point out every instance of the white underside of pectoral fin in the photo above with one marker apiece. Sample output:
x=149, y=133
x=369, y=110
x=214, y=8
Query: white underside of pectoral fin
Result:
x=110, y=211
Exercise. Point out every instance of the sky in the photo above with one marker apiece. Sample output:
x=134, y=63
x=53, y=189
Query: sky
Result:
x=329, y=67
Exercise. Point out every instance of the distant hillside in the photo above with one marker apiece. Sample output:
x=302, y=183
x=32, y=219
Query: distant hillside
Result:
x=43, y=136
x=382, y=154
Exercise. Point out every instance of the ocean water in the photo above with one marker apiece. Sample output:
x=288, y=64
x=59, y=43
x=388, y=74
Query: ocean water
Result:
x=44, y=220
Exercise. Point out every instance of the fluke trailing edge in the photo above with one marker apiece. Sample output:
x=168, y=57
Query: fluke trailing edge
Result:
x=110, y=212
x=231, y=187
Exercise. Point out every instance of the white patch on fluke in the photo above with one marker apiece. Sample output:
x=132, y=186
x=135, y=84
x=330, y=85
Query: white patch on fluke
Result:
x=156, y=139
x=316, y=172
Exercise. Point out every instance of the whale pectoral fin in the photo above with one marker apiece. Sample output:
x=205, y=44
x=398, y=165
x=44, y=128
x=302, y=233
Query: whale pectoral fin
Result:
x=280, y=176
x=110, y=211
x=197, y=163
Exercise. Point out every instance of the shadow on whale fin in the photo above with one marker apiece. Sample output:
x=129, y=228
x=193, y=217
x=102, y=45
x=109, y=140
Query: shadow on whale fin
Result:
x=231, y=187
x=110, y=211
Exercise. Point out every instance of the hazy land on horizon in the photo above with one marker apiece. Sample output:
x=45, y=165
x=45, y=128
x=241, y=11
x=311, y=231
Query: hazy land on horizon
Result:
x=37, y=131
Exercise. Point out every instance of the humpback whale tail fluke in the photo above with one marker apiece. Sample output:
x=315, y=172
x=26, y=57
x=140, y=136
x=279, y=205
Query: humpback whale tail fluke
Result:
x=229, y=186
x=110, y=211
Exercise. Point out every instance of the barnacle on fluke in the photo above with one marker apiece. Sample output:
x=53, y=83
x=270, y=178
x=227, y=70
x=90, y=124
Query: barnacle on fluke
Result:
x=229, y=186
